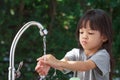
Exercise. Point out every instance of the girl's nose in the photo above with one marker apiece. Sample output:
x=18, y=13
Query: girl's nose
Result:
x=85, y=36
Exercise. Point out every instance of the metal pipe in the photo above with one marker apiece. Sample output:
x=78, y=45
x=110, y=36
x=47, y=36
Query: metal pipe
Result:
x=43, y=32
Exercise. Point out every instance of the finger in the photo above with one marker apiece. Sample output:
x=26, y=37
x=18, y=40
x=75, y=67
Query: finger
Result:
x=42, y=73
x=43, y=63
x=41, y=58
x=39, y=71
x=38, y=67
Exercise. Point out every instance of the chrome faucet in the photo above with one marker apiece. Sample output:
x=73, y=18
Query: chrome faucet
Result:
x=43, y=32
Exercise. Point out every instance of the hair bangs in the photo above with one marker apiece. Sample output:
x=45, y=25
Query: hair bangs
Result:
x=93, y=23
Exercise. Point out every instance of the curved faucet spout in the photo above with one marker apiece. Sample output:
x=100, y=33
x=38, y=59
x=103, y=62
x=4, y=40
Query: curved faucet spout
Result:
x=43, y=32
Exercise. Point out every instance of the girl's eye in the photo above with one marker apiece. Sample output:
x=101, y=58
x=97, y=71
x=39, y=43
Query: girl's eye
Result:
x=81, y=32
x=90, y=33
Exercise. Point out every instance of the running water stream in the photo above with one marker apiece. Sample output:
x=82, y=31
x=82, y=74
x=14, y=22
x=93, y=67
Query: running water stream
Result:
x=44, y=49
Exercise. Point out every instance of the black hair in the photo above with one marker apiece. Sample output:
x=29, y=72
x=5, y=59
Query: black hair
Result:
x=98, y=20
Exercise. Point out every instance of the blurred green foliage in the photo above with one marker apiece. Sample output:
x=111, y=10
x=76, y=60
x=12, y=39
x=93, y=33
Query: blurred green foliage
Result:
x=60, y=17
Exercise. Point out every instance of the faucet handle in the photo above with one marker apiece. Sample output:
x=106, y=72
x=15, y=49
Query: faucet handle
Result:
x=17, y=72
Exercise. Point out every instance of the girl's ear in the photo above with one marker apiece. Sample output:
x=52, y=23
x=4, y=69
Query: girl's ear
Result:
x=104, y=39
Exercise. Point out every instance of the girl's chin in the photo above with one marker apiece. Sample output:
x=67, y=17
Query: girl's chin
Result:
x=85, y=47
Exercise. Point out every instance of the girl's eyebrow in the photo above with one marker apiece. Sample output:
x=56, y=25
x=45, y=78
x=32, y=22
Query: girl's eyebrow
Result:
x=86, y=28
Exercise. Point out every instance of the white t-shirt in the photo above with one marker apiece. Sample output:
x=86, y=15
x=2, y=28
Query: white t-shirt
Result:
x=101, y=59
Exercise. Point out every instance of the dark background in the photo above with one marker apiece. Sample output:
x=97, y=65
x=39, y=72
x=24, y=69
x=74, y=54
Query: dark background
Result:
x=60, y=18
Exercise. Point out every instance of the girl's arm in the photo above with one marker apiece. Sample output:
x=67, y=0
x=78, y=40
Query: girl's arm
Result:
x=77, y=65
x=71, y=65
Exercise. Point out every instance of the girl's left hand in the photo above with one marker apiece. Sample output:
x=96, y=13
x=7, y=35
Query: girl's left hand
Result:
x=50, y=60
x=42, y=69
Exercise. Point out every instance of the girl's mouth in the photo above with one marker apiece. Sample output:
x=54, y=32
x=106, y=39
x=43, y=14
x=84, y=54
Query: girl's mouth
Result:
x=84, y=42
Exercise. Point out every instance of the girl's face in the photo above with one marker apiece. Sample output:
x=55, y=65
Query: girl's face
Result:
x=90, y=39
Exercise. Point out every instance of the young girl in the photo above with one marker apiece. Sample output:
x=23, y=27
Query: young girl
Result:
x=92, y=60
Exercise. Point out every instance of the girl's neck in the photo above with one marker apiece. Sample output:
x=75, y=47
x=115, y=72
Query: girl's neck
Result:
x=90, y=52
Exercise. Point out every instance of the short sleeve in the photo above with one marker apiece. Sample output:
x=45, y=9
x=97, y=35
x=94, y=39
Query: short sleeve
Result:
x=72, y=55
x=102, y=60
